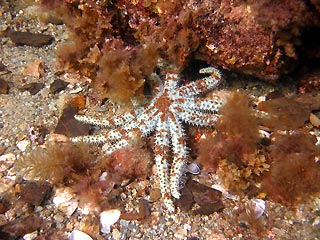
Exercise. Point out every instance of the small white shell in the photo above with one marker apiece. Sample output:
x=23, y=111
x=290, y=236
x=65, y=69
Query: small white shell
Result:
x=103, y=176
x=228, y=195
x=107, y=218
x=257, y=206
x=78, y=235
x=192, y=168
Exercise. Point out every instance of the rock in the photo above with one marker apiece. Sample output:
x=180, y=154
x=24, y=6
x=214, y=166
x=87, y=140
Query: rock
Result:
x=30, y=39
x=208, y=198
x=20, y=227
x=185, y=202
x=180, y=233
x=35, y=192
x=69, y=125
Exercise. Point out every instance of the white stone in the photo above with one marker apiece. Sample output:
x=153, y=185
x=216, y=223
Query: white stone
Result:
x=107, y=218
x=22, y=145
x=30, y=236
x=78, y=235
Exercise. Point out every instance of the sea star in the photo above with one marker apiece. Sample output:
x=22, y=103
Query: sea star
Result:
x=163, y=115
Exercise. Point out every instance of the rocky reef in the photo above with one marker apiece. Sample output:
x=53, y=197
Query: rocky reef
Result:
x=119, y=44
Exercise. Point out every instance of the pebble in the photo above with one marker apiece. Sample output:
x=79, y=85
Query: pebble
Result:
x=76, y=90
x=65, y=201
x=316, y=222
x=33, y=88
x=33, y=69
x=57, y=86
x=2, y=147
x=124, y=223
x=107, y=218
x=30, y=236
x=187, y=227
x=181, y=233
x=116, y=234
x=4, y=87
x=28, y=38
x=103, y=176
x=58, y=218
x=23, y=145
x=315, y=121
x=79, y=235
x=6, y=161
x=155, y=194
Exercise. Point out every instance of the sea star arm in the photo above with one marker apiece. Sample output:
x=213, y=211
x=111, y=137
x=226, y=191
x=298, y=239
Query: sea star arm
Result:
x=161, y=154
x=198, y=118
x=109, y=136
x=146, y=121
x=180, y=152
x=95, y=139
x=203, y=85
x=118, y=145
x=195, y=104
x=117, y=120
